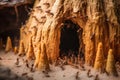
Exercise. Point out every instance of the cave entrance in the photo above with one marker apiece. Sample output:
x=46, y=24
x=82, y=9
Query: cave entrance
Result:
x=69, y=40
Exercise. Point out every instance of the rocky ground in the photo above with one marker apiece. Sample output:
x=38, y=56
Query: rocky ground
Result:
x=13, y=67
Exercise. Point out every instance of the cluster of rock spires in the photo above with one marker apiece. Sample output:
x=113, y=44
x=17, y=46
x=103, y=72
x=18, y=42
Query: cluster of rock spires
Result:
x=41, y=62
x=97, y=19
x=101, y=64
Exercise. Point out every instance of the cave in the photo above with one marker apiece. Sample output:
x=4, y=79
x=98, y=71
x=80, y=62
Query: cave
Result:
x=69, y=40
x=60, y=39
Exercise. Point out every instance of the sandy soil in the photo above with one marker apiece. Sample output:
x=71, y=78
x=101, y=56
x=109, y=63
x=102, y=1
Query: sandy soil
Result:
x=10, y=71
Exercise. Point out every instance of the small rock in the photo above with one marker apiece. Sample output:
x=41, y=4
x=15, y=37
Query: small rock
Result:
x=47, y=75
x=63, y=75
x=24, y=74
x=0, y=58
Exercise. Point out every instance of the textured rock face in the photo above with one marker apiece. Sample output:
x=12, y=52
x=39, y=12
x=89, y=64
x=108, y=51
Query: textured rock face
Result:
x=98, y=19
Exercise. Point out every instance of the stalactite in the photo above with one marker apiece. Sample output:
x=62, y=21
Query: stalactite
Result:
x=17, y=14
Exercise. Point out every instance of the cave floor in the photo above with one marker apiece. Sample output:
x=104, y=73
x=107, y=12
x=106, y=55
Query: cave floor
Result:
x=9, y=70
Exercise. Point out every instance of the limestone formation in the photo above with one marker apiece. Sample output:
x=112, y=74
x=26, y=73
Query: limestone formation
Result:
x=37, y=59
x=15, y=49
x=8, y=45
x=99, y=60
x=43, y=61
x=98, y=19
x=21, y=48
x=110, y=65
x=30, y=53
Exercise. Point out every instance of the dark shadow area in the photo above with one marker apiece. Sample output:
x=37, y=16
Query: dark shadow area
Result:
x=69, y=40
x=10, y=24
x=14, y=35
x=7, y=74
x=9, y=20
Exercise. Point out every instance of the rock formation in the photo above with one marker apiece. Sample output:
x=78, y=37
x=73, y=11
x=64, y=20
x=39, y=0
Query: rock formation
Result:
x=30, y=52
x=43, y=61
x=21, y=48
x=8, y=45
x=110, y=66
x=15, y=49
x=98, y=19
x=99, y=60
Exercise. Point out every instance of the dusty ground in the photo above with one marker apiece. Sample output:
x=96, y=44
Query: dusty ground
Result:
x=10, y=71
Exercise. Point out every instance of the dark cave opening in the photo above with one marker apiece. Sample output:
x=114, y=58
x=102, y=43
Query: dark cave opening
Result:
x=69, y=40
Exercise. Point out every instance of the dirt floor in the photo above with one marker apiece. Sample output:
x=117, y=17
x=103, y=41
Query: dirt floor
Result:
x=11, y=69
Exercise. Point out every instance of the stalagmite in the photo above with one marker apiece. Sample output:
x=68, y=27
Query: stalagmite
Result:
x=8, y=45
x=30, y=53
x=110, y=65
x=43, y=61
x=37, y=59
x=99, y=61
x=15, y=49
x=21, y=48
x=37, y=56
